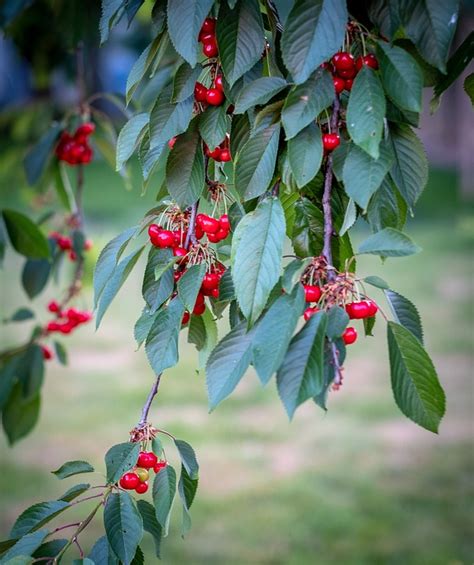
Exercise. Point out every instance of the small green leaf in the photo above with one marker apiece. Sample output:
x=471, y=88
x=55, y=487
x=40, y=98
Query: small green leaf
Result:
x=190, y=283
x=158, y=280
x=258, y=92
x=405, y=313
x=129, y=137
x=337, y=322
x=305, y=153
x=73, y=468
x=164, y=489
x=366, y=111
x=123, y=525
x=469, y=87
x=36, y=516
x=21, y=315
x=150, y=523
x=20, y=414
x=74, y=492
x=102, y=553
x=39, y=155
x=187, y=487
x=188, y=457
x=50, y=548
x=292, y=273
x=24, y=546
x=377, y=282
x=168, y=120
x=389, y=243
x=257, y=248
x=184, y=82
x=213, y=125
x=119, y=459
x=61, y=353
x=112, y=12
x=415, y=384
x=301, y=375
x=35, y=276
x=25, y=236
x=143, y=63
x=350, y=217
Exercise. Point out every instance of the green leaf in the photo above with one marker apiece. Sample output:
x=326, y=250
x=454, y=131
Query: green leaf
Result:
x=157, y=446
x=301, y=374
x=188, y=458
x=83, y=561
x=114, y=284
x=150, y=523
x=240, y=37
x=386, y=208
x=143, y=326
x=366, y=111
x=189, y=285
x=119, y=459
x=431, y=26
x=306, y=101
x=129, y=137
x=143, y=63
x=211, y=337
x=123, y=525
x=401, y=76
x=112, y=12
x=389, y=243
x=337, y=322
x=185, y=168
x=292, y=273
x=305, y=152
x=185, y=18
x=227, y=364
x=377, y=282
x=108, y=259
x=405, y=313
x=274, y=331
x=258, y=92
x=239, y=133
x=36, y=516
x=162, y=342
x=21, y=315
x=39, y=155
x=257, y=248
x=25, y=236
x=350, y=217
x=164, y=489
x=31, y=370
x=20, y=414
x=168, y=120
x=410, y=168
x=74, y=492
x=313, y=32
x=61, y=353
x=362, y=175
x=73, y=468
x=255, y=163
x=187, y=487
x=213, y=125
x=50, y=548
x=158, y=282
x=24, y=546
x=184, y=82
x=226, y=287
x=102, y=553
x=415, y=384
x=469, y=87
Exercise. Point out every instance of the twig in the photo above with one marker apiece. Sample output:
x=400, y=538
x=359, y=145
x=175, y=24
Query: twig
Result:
x=87, y=498
x=191, y=234
x=328, y=178
x=76, y=541
x=149, y=400
x=337, y=366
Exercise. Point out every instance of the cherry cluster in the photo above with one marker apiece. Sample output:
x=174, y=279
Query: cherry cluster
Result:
x=75, y=149
x=137, y=479
x=207, y=36
x=216, y=229
x=344, y=68
x=220, y=153
x=168, y=239
x=65, y=244
x=213, y=96
x=66, y=320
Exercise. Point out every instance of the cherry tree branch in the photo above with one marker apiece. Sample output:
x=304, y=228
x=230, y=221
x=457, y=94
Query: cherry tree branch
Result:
x=149, y=400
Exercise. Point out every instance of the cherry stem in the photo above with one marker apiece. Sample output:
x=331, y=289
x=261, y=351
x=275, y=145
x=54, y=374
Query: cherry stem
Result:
x=76, y=541
x=87, y=498
x=65, y=527
x=337, y=366
x=149, y=400
x=191, y=234
x=328, y=178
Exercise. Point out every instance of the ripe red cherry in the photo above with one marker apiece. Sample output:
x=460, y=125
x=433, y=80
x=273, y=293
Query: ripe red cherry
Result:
x=199, y=308
x=216, y=154
x=339, y=84
x=349, y=336
x=141, y=488
x=172, y=141
x=348, y=73
x=213, y=237
x=164, y=238
x=219, y=83
x=53, y=306
x=198, y=232
x=210, y=281
x=222, y=234
x=85, y=129
x=358, y=310
x=179, y=252
x=331, y=141
x=312, y=293
x=215, y=293
x=214, y=97
x=310, y=312
x=129, y=481
x=224, y=222
x=369, y=60
x=160, y=465
x=210, y=49
x=179, y=237
x=185, y=318
x=88, y=244
x=153, y=230
x=373, y=308
x=147, y=459
x=206, y=37
x=348, y=84
x=343, y=61
x=207, y=224
x=225, y=155
x=47, y=353
x=200, y=92
x=209, y=25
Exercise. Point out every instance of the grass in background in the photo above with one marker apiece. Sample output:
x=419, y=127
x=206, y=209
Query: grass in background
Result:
x=358, y=485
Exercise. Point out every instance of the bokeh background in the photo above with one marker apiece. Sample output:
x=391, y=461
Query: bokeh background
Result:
x=359, y=484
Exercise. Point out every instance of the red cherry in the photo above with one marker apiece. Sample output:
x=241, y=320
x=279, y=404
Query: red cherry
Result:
x=199, y=309
x=210, y=49
x=147, y=459
x=141, y=488
x=86, y=155
x=66, y=328
x=213, y=237
x=358, y=310
x=88, y=244
x=160, y=465
x=215, y=293
x=310, y=312
x=312, y=293
x=225, y=155
x=216, y=154
x=210, y=281
x=214, y=97
x=373, y=308
x=331, y=141
x=177, y=275
x=64, y=243
x=129, y=481
x=209, y=25
x=207, y=224
x=153, y=230
x=222, y=234
x=369, y=60
x=164, y=238
x=47, y=352
x=348, y=84
x=185, y=318
x=53, y=306
x=198, y=232
x=224, y=222
x=172, y=141
x=85, y=129
x=343, y=61
x=219, y=83
x=200, y=92
x=52, y=327
x=178, y=237
x=349, y=336
x=72, y=255
x=339, y=84
x=348, y=73
x=204, y=37
x=179, y=252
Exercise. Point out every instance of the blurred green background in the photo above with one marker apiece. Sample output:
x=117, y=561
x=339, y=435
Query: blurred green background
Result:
x=357, y=485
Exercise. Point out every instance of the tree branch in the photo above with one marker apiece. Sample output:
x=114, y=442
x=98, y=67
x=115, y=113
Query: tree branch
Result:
x=149, y=400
